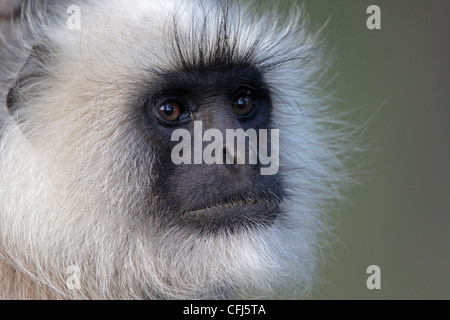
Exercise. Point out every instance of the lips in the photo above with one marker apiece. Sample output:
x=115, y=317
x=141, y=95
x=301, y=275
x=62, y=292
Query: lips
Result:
x=233, y=215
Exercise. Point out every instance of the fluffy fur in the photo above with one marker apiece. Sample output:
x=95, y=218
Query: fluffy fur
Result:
x=74, y=171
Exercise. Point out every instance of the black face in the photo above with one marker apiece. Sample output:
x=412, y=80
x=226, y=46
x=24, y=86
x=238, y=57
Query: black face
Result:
x=217, y=197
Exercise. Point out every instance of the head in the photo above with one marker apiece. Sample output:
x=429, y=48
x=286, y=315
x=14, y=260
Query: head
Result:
x=87, y=170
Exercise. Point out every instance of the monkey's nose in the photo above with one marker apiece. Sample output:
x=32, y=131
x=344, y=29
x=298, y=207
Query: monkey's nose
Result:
x=233, y=157
x=240, y=155
x=236, y=163
x=229, y=156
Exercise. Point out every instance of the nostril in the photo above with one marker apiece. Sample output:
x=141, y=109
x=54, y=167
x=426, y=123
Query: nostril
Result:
x=229, y=157
x=235, y=159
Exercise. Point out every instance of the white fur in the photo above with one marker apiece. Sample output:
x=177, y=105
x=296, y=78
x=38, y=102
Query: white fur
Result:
x=68, y=193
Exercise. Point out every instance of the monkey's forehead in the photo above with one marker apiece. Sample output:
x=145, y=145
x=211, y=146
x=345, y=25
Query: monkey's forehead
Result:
x=173, y=34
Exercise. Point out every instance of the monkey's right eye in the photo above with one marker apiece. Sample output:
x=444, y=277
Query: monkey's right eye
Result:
x=171, y=111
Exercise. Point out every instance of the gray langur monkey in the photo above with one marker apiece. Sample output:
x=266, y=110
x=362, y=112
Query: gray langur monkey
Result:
x=92, y=205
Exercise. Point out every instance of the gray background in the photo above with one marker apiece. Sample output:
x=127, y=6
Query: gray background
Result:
x=397, y=79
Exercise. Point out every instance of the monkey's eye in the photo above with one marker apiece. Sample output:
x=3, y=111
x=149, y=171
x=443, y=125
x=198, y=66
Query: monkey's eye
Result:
x=244, y=104
x=171, y=111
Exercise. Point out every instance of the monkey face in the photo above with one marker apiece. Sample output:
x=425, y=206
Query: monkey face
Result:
x=219, y=196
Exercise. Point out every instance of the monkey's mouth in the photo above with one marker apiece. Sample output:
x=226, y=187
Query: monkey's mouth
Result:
x=234, y=215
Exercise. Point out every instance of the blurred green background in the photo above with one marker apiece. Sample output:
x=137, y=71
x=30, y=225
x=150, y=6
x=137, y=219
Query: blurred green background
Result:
x=397, y=81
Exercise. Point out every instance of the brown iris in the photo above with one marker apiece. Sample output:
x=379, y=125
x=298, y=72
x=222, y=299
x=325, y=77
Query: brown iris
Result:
x=170, y=111
x=244, y=104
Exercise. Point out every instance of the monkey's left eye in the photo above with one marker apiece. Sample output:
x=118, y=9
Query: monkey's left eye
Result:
x=244, y=104
x=171, y=111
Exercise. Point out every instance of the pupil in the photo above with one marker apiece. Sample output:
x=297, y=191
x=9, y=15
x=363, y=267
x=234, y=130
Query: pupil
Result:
x=169, y=109
x=242, y=103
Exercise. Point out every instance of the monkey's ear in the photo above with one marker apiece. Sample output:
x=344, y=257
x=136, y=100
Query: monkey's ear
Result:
x=31, y=71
